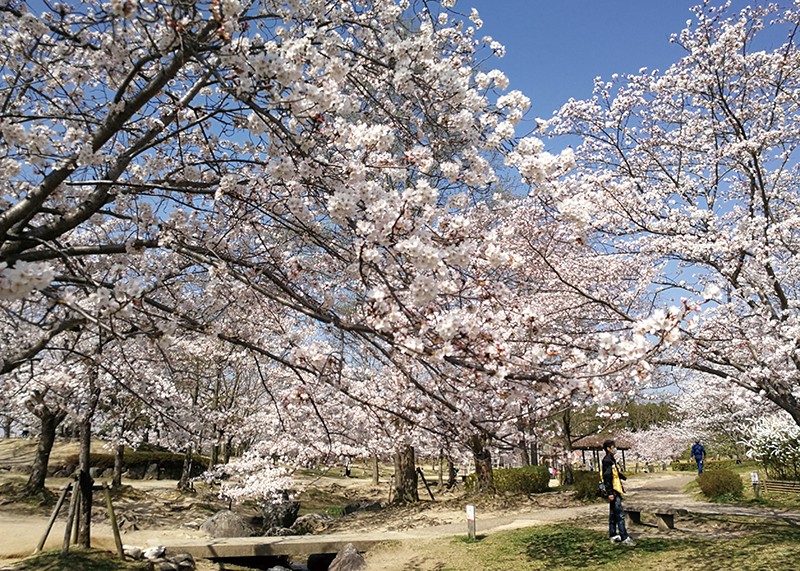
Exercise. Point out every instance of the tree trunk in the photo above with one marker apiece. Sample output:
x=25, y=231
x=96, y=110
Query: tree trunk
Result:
x=49, y=421
x=185, y=483
x=119, y=465
x=7, y=427
x=441, y=469
x=566, y=475
x=376, y=472
x=483, y=464
x=405, y=475
x=452, y=473
x=534, y=452
x=213, y=459
x=526, y=458
x=86, y=483
x=226, y=453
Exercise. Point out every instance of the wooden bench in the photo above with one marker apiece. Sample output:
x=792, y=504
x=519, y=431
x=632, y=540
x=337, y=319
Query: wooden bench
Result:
x=781, y=486
x=665, y=516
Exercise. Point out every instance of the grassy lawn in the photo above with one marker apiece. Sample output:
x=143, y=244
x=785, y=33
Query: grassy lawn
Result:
x=551, y=548
x=566, y=547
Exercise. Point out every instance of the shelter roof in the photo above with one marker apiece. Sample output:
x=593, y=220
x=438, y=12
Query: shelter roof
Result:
x=595, y=442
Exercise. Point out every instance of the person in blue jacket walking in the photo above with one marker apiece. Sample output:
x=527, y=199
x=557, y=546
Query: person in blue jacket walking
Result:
x=699, y=455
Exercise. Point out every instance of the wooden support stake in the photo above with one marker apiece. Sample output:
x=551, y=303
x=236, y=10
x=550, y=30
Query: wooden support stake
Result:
x=424, y=481
x=53, y=517
x=76, y=529
x=114, y=527
x=73, y=502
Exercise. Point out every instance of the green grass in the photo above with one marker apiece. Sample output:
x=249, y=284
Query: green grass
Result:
x=568, y=547
x=78, y=560
x=313, y=500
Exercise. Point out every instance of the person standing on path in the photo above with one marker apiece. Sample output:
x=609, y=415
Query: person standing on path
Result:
x=699, y=455
x=612, y=478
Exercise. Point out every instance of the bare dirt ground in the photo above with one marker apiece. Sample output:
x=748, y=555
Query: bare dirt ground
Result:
x=151, y=511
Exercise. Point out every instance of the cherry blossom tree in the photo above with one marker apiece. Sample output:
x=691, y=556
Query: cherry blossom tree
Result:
x=694, y=171
x=307, y=181
x=774, y=440
x=722, y=415
x=658, y=444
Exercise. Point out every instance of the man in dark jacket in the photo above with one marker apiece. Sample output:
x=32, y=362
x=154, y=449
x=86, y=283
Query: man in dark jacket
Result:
x=699, y=455
x=612, y=478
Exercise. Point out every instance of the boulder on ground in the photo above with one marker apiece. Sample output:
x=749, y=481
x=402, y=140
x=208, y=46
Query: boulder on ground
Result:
x=348, y=559
x=310, y=523
x=227, y=524
x=152, y=553
x=152, y=472
x=282, y=513
x=184, y=561
x=132, y=551
x=279, y=532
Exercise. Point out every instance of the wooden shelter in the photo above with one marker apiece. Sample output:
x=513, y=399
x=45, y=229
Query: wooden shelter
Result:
x=594, y=444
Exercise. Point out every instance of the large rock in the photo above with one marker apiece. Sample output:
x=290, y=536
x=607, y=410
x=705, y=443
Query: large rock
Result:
x=152, y=472
x=310, y=523
x=227, y=524
x=282, y=513
x=348, y=559
x=153, y=553
x=132, y=551
x=135, y=472
x=279, y=532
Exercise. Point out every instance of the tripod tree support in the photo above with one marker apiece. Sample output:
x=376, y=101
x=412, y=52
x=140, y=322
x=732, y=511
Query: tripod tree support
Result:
x=53, y=517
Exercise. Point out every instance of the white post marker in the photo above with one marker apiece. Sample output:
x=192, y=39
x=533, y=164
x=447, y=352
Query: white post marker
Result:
x=471, y=521
x=756, y=485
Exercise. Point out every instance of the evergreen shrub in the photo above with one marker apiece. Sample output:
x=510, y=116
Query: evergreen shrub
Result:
x=721, y=483
x=586, y=484
x=525, y=480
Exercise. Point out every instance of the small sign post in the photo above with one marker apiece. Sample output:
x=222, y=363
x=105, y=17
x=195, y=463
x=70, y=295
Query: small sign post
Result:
x=756, y=484
x=471, y=521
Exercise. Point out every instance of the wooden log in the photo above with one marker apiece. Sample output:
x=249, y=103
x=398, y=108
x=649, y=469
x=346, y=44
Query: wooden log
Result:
x=114, y=527
x=53, y=517
x=73, y=502
x=424, y=481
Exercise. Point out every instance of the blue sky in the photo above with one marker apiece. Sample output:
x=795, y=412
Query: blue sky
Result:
x=555, y=48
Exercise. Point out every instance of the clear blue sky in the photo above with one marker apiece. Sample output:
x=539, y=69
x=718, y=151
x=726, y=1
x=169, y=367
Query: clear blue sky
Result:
x=555, y=48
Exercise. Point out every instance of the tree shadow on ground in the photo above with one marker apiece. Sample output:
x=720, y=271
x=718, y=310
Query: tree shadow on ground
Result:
x=566, y=547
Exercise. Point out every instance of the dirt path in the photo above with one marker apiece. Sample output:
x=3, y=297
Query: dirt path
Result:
x=661, y=488
x=20, y=534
